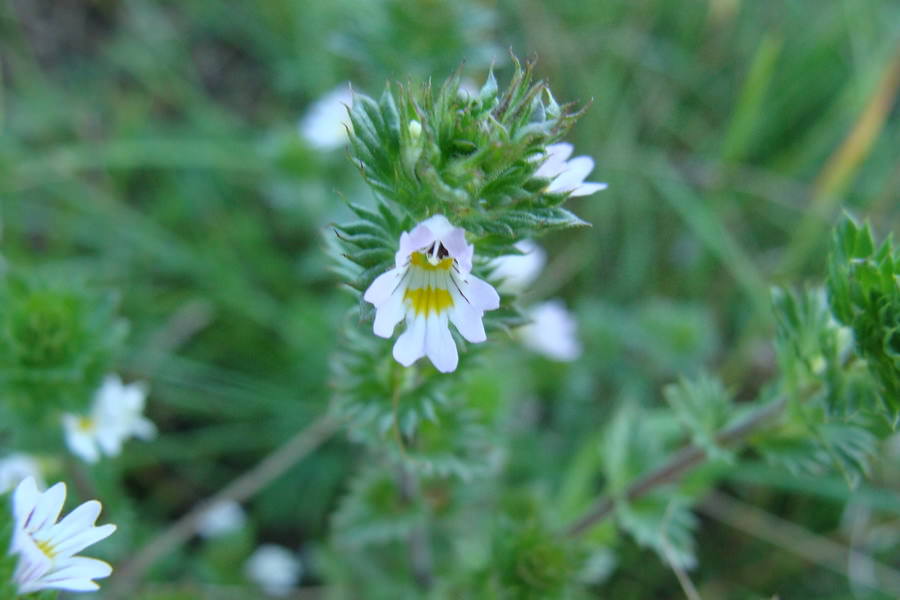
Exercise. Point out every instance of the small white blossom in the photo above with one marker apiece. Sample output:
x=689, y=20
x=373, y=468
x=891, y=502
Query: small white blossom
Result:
x=552, y=331
x=17, y=467
x=568, y=175
x=518, y=271
x=46, y=549
x=116, y=415
x=221, y=519
x=274, y=568
x=325, y=125
x=430, y=286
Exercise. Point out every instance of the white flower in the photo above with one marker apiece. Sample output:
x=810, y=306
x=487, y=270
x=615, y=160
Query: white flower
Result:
x=222, y=518
x=325, y=125
x=568, y=175
x=17, y=467
x=115, y=417
x=274, y=568
x=46, y=549
x=430, y=285
x=517, y=271
x=552, y=331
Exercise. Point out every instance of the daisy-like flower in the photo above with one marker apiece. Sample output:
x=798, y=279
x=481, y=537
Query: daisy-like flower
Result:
x=568, y=175
x=115, y=416
x=46, y=549
x=17, y=467
x=431, y=285
x=552, y=331
x=324, y=127
x=518, y=271
x=274, y=568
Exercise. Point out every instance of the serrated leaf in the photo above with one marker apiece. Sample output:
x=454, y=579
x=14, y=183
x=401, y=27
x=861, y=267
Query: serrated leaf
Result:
x=703, y=406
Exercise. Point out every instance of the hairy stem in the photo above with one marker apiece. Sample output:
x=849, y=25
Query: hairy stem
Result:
x=267, y=470
x=675, y=467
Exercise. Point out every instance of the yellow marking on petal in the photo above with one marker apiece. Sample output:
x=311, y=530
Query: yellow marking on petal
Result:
x=420, y=260
x=85, y=424
x=45, y=547
x=427, y=300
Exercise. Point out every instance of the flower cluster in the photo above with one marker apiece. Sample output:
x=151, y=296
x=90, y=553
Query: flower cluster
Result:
x=46, y=549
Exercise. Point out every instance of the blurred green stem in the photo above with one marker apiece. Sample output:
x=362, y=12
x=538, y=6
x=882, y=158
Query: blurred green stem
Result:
x=239, y=490
x=681, y=462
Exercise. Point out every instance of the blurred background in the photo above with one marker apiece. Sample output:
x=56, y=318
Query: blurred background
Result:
x=155, y=149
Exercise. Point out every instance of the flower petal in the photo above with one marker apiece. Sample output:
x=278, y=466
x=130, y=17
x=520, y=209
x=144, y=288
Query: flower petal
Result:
x=81, y=540
x=467, y=320
x=389, y=314
x=554, y=164
x=587, y=188
x=25, y=498
x=576, y=170
x=439, y=344
x=47, y=509
x=480, y=294
x=410, y=346
x=383, y=286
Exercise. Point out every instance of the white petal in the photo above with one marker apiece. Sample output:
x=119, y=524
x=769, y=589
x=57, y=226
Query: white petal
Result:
x=389, y=314
x=467, y=320
x=438, y=225
x=480, y=294
x=587, y=188
x=455, y=243
x=439, y=344
x=78, y=542
x=25, y=498
x=383, y=286
x=78, y=571
x=576, y=170
x=47, y=509
x=79, y=519
x=410, y=346
x=555, y=161
x=420, y=237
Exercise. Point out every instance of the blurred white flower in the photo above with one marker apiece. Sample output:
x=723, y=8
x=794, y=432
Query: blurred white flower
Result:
x=518, y=271
x=116, y=415
x=274, y=568
x=325, y=125
x=221, y=519
x=552, y=331
x=46, y=549
x=14, y=468
x=568, y=175
x=431, y=286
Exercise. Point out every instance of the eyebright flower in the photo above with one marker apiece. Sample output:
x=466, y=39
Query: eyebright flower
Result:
x=115, y=417
x=15, y=468
x=274, y=568
x=552, y=331
x=568, y=175
x=324, y=127
x=517, y=271
x=430, y=285
x=46, y=549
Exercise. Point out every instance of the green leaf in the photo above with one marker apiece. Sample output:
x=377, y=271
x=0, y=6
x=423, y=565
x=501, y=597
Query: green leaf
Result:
x=704, y=407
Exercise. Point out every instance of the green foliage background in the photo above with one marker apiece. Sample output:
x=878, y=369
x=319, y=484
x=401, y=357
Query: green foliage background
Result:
x=160, y=209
